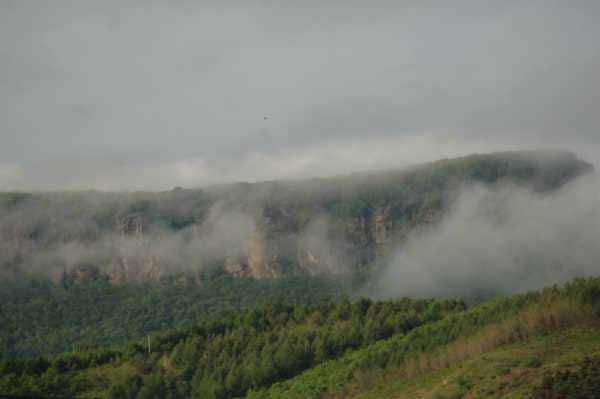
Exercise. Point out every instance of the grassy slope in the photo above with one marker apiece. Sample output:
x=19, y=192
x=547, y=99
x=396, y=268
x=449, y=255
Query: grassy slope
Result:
x=446, y=343
x=507, y=372
x=510, y=371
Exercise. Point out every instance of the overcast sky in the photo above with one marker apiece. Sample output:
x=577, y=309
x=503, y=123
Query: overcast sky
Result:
x=156, y=94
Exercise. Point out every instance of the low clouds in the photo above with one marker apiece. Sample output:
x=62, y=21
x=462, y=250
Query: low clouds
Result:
x=150, y=95
x=500, y=241
x=43, y=237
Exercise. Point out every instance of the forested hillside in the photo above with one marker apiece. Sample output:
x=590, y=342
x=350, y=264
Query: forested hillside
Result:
x=348, y=349
x=86, y=269
x=41, y=317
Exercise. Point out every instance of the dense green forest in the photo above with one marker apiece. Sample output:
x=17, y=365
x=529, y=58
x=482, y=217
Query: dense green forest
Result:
x=41, y=317
x=309, y=351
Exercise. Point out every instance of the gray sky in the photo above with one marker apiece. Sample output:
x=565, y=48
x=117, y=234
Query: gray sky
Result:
x=153, y=94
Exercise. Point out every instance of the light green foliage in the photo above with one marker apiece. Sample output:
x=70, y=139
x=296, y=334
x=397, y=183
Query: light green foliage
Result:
x=249, y=349
x=305, y=351
x=423, y=342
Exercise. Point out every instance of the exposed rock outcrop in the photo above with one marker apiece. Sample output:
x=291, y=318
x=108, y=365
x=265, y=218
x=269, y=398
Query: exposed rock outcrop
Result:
x=261, y=230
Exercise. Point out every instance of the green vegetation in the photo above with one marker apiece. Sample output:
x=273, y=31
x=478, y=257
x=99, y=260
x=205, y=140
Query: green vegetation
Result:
x=344, y=349
x=451, y=340
x=225, y=357
x=583, y=382
x=40, y=317
x=500, y=373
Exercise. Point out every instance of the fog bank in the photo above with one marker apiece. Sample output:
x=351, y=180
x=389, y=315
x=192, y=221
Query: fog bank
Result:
x=499, y=241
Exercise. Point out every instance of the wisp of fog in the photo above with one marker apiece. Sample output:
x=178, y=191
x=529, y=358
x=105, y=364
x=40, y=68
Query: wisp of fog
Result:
x=501, y=240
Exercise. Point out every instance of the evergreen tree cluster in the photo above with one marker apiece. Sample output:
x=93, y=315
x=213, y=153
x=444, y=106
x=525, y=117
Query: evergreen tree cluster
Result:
x=41, y=317
x=228, y=356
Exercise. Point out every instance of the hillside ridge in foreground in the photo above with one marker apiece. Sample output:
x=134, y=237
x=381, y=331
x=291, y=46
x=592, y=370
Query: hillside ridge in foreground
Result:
x=422, y=348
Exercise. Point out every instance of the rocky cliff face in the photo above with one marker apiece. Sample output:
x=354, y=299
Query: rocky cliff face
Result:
x=259, y=260
x=263, y=230
x=334, y=245
x=381, y=212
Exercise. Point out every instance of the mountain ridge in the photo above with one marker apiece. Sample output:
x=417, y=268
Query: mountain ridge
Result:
x=262, y=230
